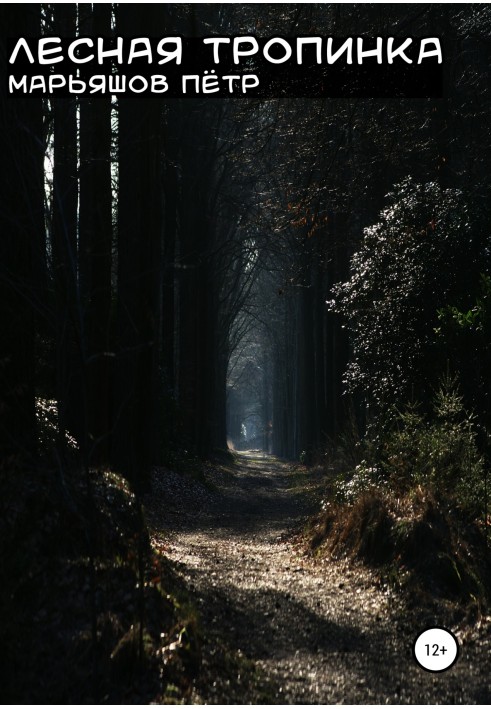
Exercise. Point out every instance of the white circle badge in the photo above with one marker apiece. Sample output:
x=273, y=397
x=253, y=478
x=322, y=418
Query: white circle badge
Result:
x=436, y=649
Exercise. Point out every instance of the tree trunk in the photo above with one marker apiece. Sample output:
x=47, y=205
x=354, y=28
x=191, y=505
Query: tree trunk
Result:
x=140, y=233
x=96, y=251
x=69, y=336
x=22, y=250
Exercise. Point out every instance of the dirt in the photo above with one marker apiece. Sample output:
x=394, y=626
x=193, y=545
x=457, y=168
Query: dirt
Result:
x=279, y=626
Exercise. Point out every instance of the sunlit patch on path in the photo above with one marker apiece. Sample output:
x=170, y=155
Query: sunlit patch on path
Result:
x=313, y=631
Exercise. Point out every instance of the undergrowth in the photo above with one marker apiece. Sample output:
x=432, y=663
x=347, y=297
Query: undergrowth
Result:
x=415, y=507
x=75, y=623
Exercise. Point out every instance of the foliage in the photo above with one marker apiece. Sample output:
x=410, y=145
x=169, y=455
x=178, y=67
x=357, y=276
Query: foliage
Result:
x=47, y=425
x=437, y=450
x=421, y=485
x=416, y=259
x=465, y=335
x=363, y=478
x=440, y=451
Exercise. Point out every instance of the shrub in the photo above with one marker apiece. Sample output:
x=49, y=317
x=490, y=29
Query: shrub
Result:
x=437, y=450
x=422, y=255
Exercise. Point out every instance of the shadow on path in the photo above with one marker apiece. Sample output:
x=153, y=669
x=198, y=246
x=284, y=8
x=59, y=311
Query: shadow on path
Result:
x=316, y=632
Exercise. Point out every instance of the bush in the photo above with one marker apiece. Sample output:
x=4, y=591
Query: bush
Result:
x=437, y=450
x=464, y=335
x=363, y=478
x=426, y=249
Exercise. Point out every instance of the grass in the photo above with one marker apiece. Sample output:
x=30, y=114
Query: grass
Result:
x=421, y=542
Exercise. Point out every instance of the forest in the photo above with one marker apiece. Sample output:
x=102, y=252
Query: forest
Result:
x=245, y=375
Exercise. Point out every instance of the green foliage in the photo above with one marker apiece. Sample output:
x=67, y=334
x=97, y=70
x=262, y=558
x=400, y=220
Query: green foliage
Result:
x=464, y=334
x=438, y=450
x=364, y=477
x=420, y=256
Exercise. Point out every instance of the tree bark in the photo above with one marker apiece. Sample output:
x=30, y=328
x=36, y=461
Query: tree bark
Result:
x=22, y=247
x=95, y=238
x=69, y=335
x=140, y=234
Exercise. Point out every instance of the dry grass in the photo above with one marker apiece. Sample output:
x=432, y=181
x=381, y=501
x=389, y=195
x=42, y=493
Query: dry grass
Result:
x=424, y=543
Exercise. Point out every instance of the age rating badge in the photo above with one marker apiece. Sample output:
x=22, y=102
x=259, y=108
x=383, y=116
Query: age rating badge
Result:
x=436, y=649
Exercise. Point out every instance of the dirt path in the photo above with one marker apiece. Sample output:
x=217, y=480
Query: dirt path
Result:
x=280, y=628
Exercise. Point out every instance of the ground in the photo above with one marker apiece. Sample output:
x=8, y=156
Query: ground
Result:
x=280, y=626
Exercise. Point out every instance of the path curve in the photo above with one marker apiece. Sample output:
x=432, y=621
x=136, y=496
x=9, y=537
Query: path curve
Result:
x=306, y=631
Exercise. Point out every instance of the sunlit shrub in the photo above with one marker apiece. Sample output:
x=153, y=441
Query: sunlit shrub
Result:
x=422, y=254
x=363, y=478
x=437, y=450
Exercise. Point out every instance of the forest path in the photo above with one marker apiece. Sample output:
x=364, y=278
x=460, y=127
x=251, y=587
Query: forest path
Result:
x=279, y=627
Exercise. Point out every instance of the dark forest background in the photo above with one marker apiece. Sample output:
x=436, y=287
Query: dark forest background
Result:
x=297, y=275
x=163, y=258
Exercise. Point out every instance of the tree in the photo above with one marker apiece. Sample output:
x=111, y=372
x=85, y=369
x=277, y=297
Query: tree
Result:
x=68, y=315
x=421, y=255
x=95, y=248
x=140, y=234
x=23, y=247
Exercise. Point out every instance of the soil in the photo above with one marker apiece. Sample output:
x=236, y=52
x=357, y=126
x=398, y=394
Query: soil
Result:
x=280, y=626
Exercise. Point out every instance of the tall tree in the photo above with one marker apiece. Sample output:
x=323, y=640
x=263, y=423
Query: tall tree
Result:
x=22, y=249
x=140, y=234
x=95, y=246
x=68, y=327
